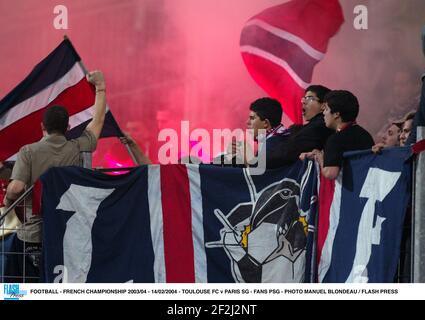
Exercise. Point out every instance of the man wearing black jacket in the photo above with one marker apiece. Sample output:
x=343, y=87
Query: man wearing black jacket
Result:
x=314, y=134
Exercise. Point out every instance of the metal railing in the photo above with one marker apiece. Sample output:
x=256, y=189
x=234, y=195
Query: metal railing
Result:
x=17, y=254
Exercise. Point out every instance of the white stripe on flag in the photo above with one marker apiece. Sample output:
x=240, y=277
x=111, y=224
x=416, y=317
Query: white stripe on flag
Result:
x=157, y=226
x=43, y=98
x=13, y=158
x=82, y=116
x=197, y=224
x=74, y=121
x=315, y=54
x=326, y=257
x=278, y=61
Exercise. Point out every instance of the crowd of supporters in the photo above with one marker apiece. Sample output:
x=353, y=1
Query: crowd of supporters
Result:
x=330, y=130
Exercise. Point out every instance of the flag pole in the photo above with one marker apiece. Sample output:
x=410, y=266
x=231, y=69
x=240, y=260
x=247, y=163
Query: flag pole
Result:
x=85, y=70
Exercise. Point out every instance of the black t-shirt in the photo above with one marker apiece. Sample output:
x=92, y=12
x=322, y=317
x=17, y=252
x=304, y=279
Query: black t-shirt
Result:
x=350, y=139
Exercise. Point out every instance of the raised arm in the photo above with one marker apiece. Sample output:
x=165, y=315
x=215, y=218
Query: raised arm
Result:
x=141, y=158
x=95, y=126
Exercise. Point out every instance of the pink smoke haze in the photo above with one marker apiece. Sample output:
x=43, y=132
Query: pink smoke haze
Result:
x=171, y=60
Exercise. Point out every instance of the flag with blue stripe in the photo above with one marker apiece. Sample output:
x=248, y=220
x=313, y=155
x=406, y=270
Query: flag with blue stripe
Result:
x=365, y=218
x=177, y=223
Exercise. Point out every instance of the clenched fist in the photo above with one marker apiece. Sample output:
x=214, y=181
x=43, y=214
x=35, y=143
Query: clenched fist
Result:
x=96, y=78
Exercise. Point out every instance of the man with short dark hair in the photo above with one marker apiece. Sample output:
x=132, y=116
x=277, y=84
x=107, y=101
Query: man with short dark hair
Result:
x=266, y=114
x=55, y=119
x=53, y=150
x=313, y=101
x=341, y=111
x=5, y=172
x=314, y=133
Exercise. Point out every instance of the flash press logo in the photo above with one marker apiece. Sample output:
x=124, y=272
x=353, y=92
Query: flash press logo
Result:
x=13, y=292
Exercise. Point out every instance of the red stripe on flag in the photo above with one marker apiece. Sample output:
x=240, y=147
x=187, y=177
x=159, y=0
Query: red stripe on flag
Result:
x=27, y=130
x=418, y=147
x=177, y=221
x=295, y=17
x=326, y=195
x=278, y=84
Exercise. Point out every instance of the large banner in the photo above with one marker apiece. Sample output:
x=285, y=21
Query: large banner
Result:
x=177, y=223
x=190, y=223
x=361, y=217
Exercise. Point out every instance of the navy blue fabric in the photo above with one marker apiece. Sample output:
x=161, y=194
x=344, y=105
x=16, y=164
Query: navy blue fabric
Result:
x=110, y=128
x=384, y=255
x=121, y=237
x=48, y=71
x=121, y=234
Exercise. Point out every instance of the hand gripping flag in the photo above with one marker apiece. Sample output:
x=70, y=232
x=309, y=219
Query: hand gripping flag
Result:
x=281, y=45
x=57, y=80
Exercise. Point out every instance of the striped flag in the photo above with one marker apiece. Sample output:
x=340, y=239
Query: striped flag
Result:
x=281, y=45
x=176, y=223
x=361, y=217
x=57, y=80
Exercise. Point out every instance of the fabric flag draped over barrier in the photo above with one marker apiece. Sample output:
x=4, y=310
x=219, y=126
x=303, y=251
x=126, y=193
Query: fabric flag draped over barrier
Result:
x=192, y=223
x=281, y=45
x=57, y=80
x=361, y=217
x=177, y=223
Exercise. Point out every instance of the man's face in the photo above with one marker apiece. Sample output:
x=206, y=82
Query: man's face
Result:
x=255, y=123
x=391, y=137
x=405, y=131
x=311, y=105
x=330, y=118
